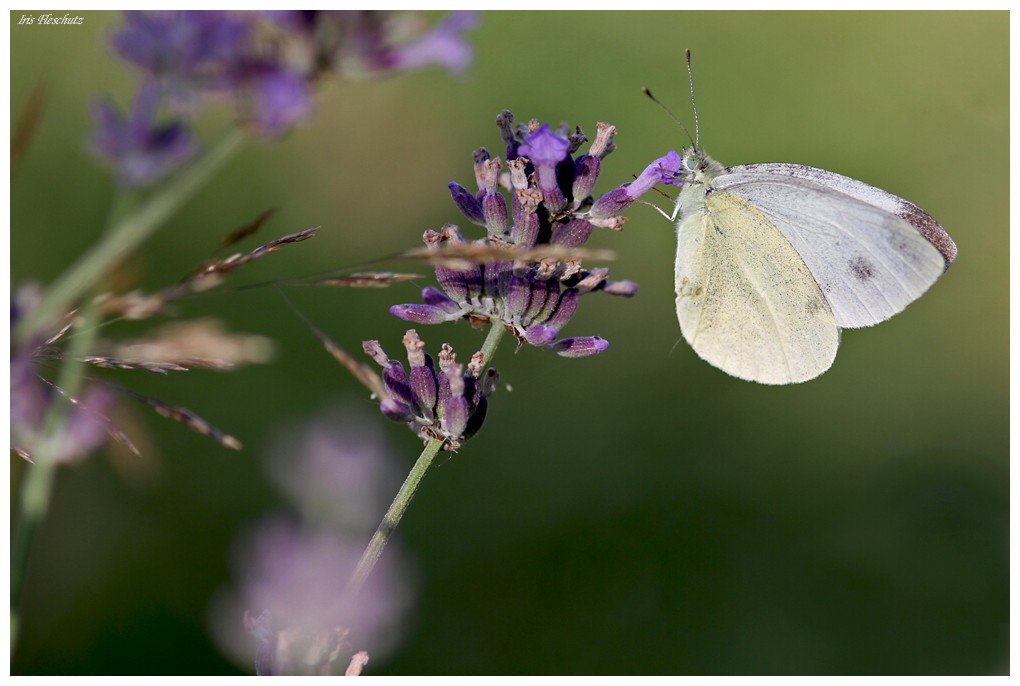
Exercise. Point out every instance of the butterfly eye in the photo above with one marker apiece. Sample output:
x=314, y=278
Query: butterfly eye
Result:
x=692, y=162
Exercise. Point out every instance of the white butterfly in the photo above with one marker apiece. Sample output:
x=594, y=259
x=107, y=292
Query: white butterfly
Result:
x=774, y=259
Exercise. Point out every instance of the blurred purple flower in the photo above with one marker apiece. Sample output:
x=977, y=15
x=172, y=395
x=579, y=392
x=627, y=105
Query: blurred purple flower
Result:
x=86, y=427
x=447, y=403
x=299, y=575
x=443, y=45
x=140, y=151
x=188, y=50
x=336, y=469
x=292, y=574
x=281, y=99
x=379, y=42
x=550, y=191
x=266, y=63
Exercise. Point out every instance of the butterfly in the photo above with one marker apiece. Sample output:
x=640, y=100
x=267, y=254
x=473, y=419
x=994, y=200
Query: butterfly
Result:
x=774, y=259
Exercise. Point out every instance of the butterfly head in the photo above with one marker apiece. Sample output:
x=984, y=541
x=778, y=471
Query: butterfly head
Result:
x=697, y=166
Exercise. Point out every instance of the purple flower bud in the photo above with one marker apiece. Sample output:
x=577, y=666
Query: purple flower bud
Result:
x=473, y=280
x=572, y=234
x=540, y=334
x=592, y=280
x=423, y=376
x=467, y=203
x=492, y=273
x=539, y=294
x=527, y=223
x=396, y=384
x=666, y=169
x=517, y=297
x=585, y=346
x=586, y=173
x=436, y=298
x=453, y=282
x=494, y=210
x=423, y=385
x=397, y=411
x=552, y=299
x=624, y=288
x=564, y=309
x=420, y=313
x=457, y=413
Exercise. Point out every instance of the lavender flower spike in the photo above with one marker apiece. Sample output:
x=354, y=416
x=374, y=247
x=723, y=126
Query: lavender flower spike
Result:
x=532, y=299
x=447, y=404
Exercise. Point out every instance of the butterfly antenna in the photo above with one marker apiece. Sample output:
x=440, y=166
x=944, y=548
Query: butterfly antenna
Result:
x=694, y=105
x=676, y=120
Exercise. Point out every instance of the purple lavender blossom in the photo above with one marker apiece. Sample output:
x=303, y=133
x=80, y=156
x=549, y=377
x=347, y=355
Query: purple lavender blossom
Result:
x=377, y=42
x=546, y=150
x=443, y=45
x=550, y=191
x=292, y=573
x=445, y=402
x=86, y=427
x=281, y=99
x=189, y=51
x=267, y=63
x=666, y=169
x=334, y=469
x=140, y=151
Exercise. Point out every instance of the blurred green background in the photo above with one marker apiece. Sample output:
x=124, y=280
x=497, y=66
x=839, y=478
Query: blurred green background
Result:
x=638, y=512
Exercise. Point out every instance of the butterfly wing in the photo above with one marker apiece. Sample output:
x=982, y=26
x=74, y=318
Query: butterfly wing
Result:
x=746, y=301
x=871, y=252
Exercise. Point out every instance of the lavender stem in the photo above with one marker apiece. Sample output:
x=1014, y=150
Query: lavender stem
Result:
x=37, y=486
x=492, y=341
x=132, y=229
x=392, y=517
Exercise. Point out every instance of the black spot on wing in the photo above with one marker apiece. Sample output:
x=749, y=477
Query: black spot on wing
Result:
x=861, y=268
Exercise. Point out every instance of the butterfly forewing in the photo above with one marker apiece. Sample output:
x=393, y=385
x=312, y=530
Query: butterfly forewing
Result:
x=871, y=252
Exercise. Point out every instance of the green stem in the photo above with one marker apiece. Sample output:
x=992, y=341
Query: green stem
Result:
x=127, y=234
x=399, y=505
x=492, y=342
x=39, y=477
x=392, y=517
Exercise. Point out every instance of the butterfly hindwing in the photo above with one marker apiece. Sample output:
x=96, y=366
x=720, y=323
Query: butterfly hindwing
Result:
x=746, y=300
